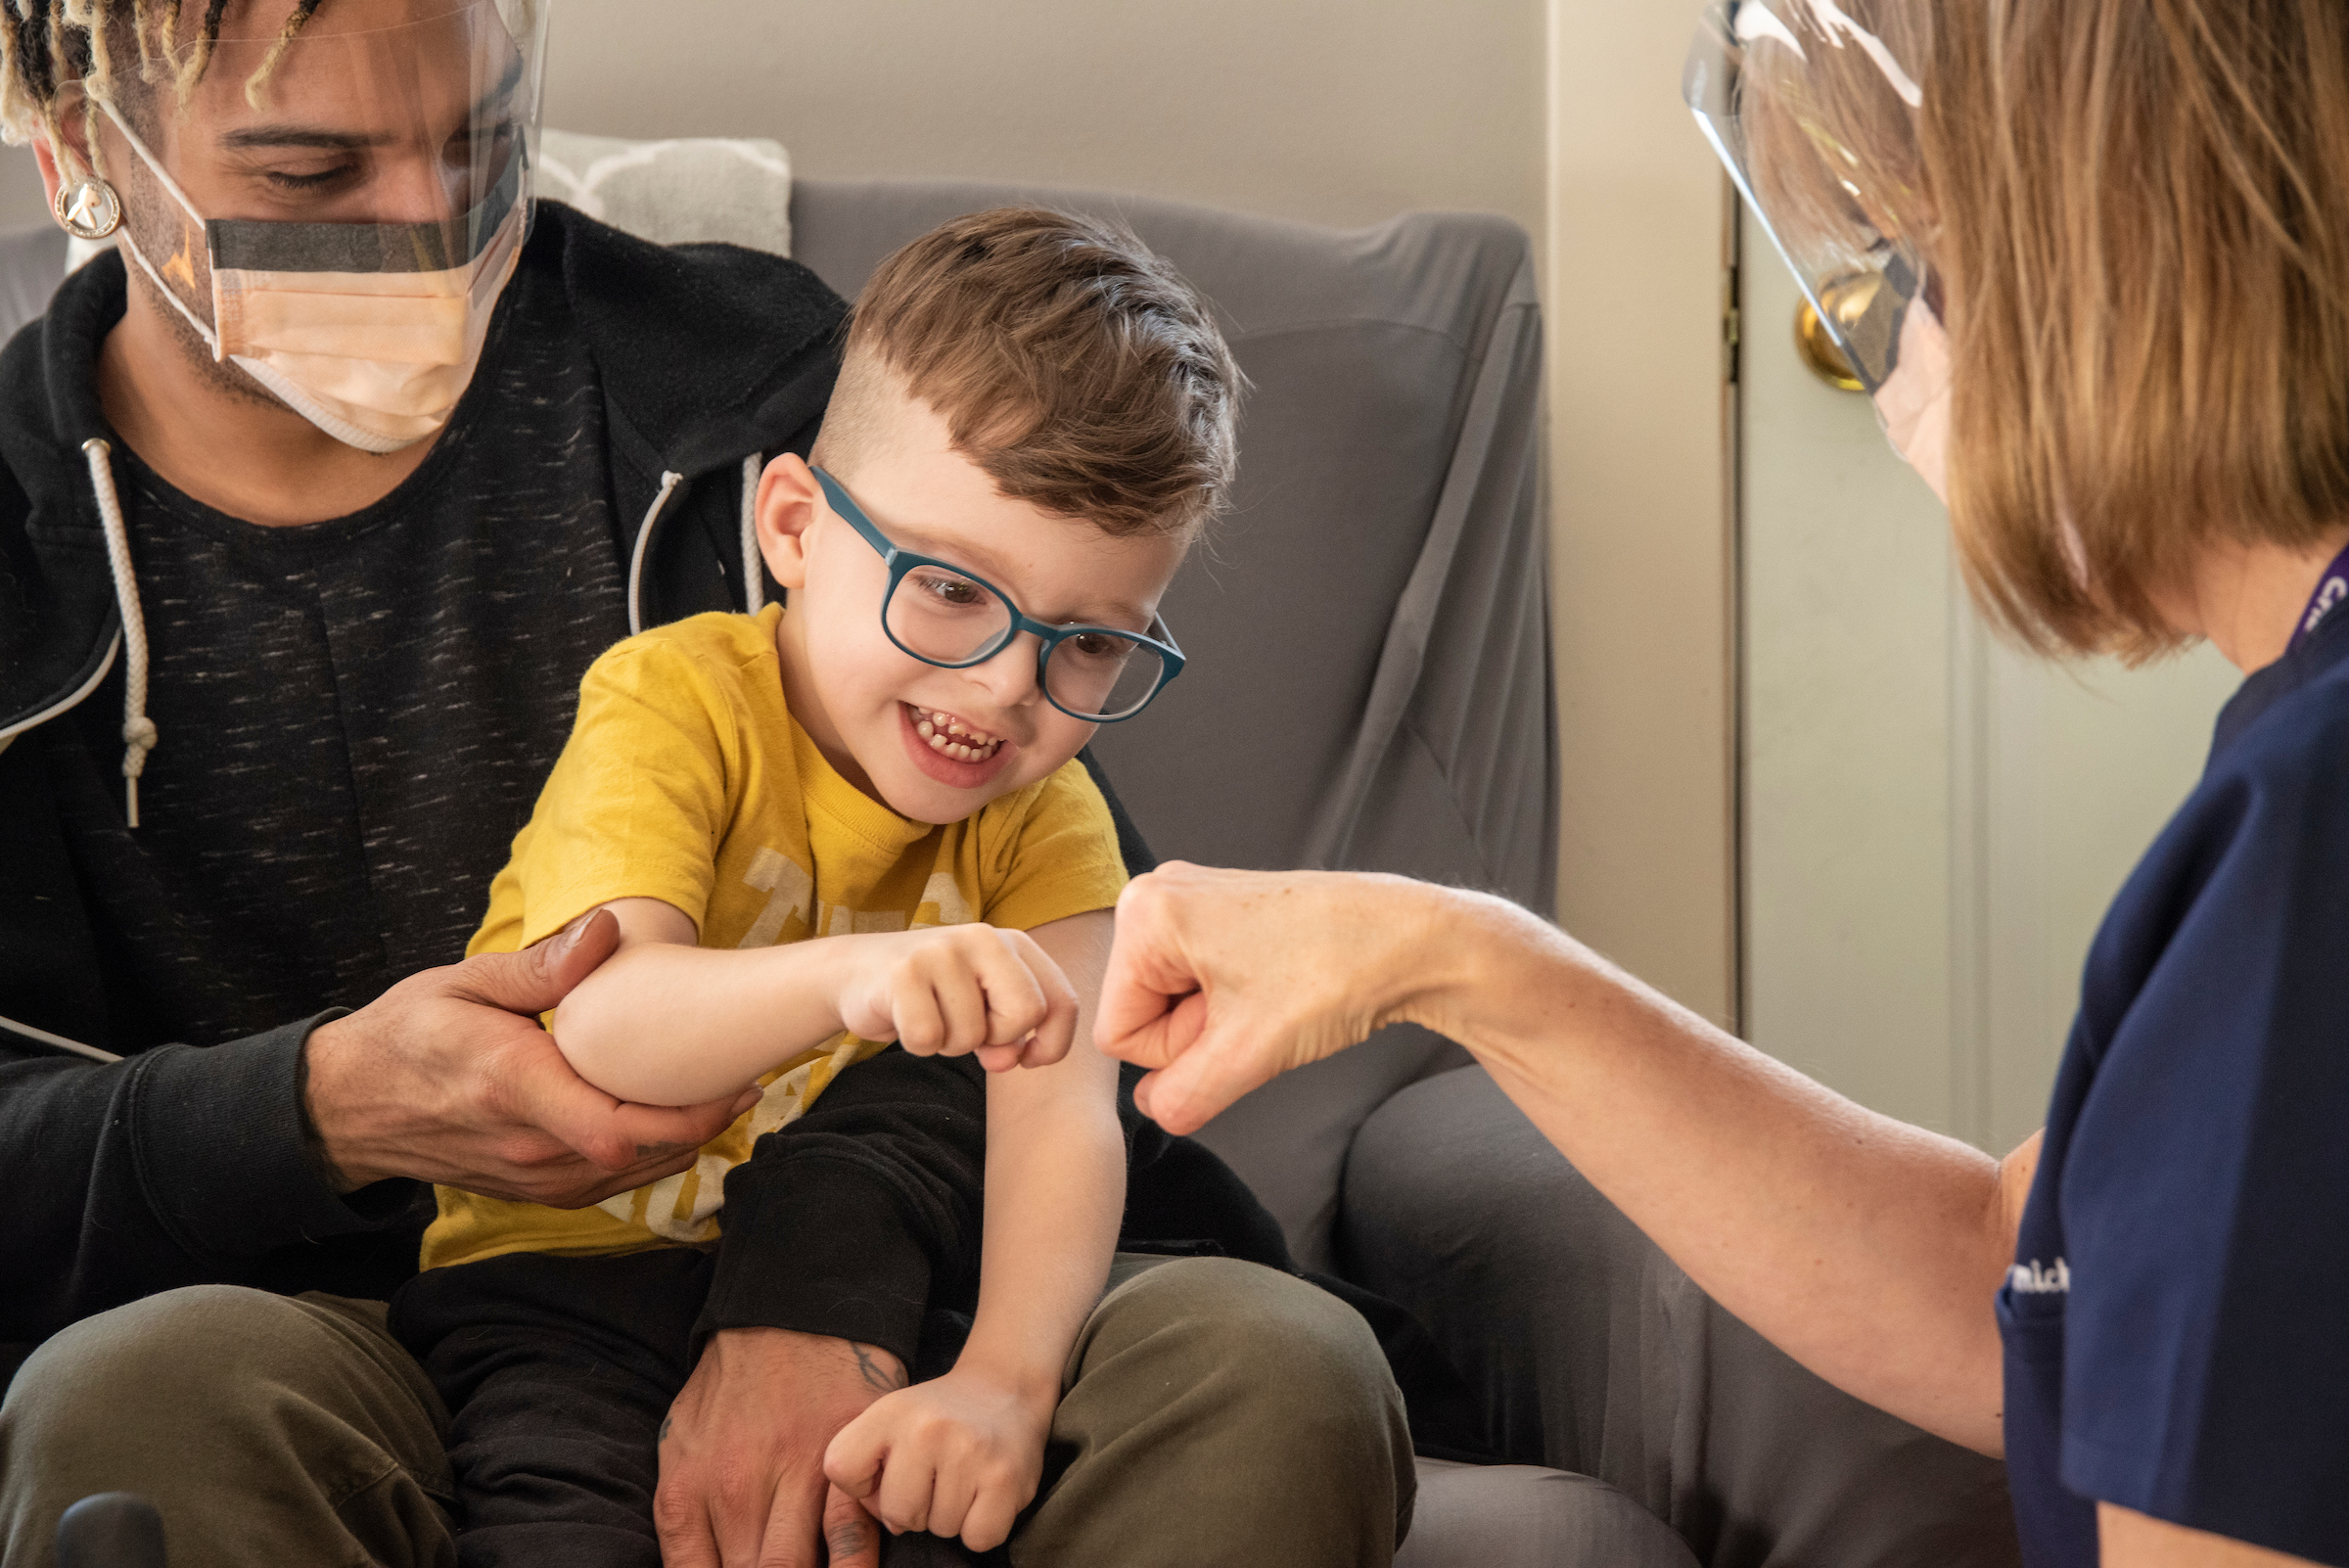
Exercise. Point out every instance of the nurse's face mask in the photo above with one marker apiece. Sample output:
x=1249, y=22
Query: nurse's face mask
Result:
x=1813, y=108
x=339, y=212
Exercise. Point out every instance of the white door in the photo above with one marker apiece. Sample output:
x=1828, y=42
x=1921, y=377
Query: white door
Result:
x=1931, y=823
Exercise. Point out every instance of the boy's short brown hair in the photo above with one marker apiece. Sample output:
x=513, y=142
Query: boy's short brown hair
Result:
x=1068, y=360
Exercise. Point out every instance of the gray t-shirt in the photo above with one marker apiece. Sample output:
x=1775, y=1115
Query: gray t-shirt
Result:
x=356, y=714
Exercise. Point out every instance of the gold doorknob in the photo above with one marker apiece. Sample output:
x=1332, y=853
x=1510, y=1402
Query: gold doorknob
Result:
x=1847, y=300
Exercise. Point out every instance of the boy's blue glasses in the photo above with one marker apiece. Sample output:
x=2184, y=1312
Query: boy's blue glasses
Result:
x=944, y=616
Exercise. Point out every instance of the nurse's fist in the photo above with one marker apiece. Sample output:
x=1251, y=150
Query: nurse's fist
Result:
x=1222, y=981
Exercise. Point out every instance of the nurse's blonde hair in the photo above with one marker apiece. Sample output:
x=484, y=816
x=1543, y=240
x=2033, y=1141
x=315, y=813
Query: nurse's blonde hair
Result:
x=2138, y=211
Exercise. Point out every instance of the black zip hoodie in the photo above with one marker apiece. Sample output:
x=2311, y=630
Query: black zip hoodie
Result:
x=180, y=1166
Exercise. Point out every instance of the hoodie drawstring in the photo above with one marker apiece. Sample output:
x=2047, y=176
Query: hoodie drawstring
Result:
x=644, y=538
x=138, y=730
x=754, y=564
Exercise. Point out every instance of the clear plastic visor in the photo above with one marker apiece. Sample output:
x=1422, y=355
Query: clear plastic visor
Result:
x=380, y=137
x=1813, y=109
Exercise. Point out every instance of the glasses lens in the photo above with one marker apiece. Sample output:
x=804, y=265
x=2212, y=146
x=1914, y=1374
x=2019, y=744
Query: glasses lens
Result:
x=943, y=616
x=1100, y=675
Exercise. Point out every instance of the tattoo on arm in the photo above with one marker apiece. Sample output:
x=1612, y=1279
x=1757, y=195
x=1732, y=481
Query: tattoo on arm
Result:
x=664, y=1420
x=846, y=1535
x=877, y=1376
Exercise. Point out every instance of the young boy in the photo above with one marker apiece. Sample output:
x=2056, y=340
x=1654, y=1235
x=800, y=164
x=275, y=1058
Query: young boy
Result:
x=852, y=819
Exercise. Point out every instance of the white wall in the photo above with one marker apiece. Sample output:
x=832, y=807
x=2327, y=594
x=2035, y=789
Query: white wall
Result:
x=1333, y=111
x=21, y=202
x=1338, y=111
x=1641, y=588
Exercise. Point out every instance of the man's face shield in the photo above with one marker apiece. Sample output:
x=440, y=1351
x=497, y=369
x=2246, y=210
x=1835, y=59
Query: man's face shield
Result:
x=402, y=125
x=1812, y=107
x=335, y=206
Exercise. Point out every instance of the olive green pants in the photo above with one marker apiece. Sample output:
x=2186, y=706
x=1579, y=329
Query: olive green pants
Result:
x=1219, y=1412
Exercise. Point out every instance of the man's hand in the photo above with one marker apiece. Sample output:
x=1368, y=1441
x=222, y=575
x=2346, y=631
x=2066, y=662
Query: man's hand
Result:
x=742, y=1452
x=959, y=1455
x=1222, y=981
x=447, y=1078
x=953, y=989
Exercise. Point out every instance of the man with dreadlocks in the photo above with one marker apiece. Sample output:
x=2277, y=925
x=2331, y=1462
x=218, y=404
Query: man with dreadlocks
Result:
x=317, y=498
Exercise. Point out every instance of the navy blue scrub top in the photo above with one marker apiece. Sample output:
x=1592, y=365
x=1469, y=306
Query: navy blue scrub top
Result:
x=2177, y=1319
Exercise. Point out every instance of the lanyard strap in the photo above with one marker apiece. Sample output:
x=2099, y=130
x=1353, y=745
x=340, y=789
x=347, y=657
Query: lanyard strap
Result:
x=2332, y=588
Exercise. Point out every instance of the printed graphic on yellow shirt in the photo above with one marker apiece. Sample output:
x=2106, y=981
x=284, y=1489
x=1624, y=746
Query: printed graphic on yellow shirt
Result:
x=687, y=780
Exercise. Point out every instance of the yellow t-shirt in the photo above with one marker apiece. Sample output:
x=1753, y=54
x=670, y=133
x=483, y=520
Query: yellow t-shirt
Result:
x=685, y=780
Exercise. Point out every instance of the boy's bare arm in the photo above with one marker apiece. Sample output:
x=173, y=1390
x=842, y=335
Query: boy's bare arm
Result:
x=1055, y=1186
x=664, y=1019
x=962, y=1456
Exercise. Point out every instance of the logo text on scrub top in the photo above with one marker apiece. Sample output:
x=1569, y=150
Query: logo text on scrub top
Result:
x=2332, y=591
x=2031, y=1279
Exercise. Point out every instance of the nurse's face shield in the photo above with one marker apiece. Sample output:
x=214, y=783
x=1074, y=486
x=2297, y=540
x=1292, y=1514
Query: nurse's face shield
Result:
x=1813, y=108
x=339, y=206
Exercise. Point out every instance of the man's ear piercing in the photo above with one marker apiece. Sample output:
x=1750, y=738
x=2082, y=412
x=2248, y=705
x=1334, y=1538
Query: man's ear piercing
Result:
x=88, y=208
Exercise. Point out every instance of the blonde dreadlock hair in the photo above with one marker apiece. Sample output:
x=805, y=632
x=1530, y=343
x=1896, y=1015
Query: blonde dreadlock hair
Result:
x=47, y=44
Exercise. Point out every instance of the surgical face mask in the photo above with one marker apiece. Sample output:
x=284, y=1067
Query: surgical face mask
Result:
x=1913, y=401
x=375, y=356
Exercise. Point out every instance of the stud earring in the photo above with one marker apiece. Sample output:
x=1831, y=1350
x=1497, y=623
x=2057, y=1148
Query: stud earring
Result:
x=89, y=207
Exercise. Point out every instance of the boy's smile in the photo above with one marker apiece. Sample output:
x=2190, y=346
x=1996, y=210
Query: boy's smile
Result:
x=931, y=743
x=951, y=750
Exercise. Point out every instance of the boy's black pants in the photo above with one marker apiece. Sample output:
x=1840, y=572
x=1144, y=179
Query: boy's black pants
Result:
x=557, y=1373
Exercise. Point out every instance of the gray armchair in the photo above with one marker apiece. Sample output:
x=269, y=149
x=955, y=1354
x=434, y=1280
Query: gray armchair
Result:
x=1369, y=688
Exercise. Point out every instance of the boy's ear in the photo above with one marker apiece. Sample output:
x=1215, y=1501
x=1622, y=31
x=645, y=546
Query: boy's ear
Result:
x=789, y=503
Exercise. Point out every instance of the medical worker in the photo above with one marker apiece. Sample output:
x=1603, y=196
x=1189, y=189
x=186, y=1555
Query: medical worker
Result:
x=2092, y=256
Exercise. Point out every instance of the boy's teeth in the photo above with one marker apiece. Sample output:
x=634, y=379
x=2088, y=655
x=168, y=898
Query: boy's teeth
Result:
x=948, y=736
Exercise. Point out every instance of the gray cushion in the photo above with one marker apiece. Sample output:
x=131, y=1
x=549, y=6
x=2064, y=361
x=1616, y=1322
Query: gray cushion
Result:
x=677, y=191
x=1503, y=1515
x=1459, y=1208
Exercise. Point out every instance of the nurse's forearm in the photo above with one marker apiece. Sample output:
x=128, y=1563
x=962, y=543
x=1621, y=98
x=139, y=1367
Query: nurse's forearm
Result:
x=1867, y=1249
